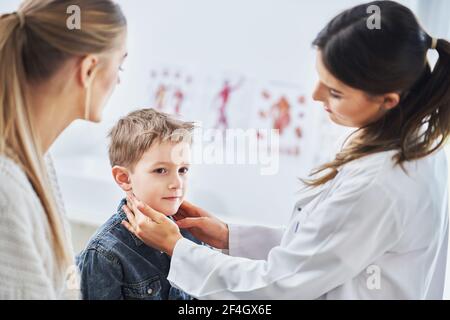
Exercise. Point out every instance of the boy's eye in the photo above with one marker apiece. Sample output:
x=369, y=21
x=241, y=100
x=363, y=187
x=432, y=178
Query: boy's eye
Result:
x=160, y=170
x=184, y=170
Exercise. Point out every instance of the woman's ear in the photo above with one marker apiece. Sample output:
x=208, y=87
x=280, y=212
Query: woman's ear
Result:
x=390, y=101
x=122, y=177
x=88, y=65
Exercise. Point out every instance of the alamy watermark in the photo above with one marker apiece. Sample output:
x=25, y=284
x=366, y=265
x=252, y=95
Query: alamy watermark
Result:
x=374, y=20
x=230, y=147
x=73, y=22
x=373, y=281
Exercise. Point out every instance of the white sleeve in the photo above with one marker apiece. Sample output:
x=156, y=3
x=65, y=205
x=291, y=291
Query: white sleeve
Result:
x=253, y=242
x=22, y=269
x=338, y=240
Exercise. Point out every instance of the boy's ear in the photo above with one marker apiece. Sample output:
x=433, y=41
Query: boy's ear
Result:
x=122, y=177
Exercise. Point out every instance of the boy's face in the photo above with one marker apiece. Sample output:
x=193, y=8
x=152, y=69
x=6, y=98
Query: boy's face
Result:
x=159, y=178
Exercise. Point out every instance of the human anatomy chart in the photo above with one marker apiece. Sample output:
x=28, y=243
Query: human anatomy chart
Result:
x=281, y=107
x=224, y=101
x=171, y=90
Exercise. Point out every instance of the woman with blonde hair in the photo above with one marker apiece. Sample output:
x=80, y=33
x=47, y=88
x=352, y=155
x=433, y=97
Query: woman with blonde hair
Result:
x=50, y=75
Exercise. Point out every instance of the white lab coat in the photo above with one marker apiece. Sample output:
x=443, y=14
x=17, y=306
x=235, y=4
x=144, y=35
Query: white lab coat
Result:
x=373, y=232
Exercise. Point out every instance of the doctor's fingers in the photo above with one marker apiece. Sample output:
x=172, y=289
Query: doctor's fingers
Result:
x=144, y=212
x=128, y=226
x=135, y=218
x=130, y=214
x=192, y=223
x=181, y=214
x=191, y=210
x=131, y=223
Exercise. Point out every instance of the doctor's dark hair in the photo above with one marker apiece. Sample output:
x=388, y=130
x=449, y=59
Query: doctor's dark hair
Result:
x=390, y=59
x=35, y=42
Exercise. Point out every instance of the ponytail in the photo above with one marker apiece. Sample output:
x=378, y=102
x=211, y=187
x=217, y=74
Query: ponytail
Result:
x=34, y=44
x=17, y=137
x=420, y=124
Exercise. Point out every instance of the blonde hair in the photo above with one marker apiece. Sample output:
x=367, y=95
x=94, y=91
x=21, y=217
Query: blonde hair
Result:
x=135, y=133
x=34, y=43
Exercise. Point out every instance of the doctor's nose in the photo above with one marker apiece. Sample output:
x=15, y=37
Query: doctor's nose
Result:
x=318, y=93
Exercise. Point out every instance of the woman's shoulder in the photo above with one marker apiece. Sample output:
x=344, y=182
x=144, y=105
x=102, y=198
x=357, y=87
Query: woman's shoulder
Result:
x=382, y=162
x=382, y=169
x=18, y=200
x=367, y=168
x=14, y=182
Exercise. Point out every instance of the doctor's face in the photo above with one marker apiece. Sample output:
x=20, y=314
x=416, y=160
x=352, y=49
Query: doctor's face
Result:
x=345, y=105
x=159, y=178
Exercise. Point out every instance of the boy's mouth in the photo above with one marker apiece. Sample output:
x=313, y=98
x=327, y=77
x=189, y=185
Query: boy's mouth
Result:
x=172, y=198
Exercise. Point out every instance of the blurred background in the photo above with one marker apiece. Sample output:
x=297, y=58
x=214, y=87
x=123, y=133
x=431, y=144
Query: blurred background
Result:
x=184, y=57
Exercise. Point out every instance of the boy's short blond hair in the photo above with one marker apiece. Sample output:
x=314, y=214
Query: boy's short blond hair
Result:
x=135, y=133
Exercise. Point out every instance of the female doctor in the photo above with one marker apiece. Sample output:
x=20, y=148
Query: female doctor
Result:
x=373, y=223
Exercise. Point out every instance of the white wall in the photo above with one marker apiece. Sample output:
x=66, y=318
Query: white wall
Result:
x=265, y=40
x=262, y=40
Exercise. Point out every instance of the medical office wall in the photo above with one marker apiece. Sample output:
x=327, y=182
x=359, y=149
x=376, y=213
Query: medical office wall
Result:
x=231, y=64
x=227, y=65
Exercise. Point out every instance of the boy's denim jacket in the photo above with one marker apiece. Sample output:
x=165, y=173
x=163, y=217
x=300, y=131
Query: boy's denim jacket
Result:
x=118, y=265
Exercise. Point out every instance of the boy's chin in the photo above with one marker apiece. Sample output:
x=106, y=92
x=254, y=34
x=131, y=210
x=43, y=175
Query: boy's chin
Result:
x=168, y=210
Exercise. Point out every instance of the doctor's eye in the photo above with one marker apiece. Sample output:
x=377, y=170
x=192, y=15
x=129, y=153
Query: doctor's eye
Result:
x=334, y=95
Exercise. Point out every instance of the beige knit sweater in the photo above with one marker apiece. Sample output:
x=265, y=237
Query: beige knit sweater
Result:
x=28, y=268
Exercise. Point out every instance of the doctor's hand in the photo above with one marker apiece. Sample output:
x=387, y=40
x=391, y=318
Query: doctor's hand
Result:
x=151, y=226
x=202, y=225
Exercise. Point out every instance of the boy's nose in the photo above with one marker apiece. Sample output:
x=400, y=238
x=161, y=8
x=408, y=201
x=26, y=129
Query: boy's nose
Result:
x=176, y=182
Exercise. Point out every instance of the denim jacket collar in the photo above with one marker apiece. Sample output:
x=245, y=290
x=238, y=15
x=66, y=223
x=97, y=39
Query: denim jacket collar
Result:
x=123, y=216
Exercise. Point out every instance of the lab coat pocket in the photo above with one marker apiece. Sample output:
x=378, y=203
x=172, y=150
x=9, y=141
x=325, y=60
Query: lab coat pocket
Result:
x=149, y=289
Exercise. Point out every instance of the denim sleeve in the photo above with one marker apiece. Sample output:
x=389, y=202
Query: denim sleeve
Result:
x=101, y=276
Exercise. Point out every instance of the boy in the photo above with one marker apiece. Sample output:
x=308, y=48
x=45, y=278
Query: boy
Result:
x=145, y=159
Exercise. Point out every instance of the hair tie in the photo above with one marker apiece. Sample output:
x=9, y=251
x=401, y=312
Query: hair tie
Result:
x=434, y=42
x=21, y=17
